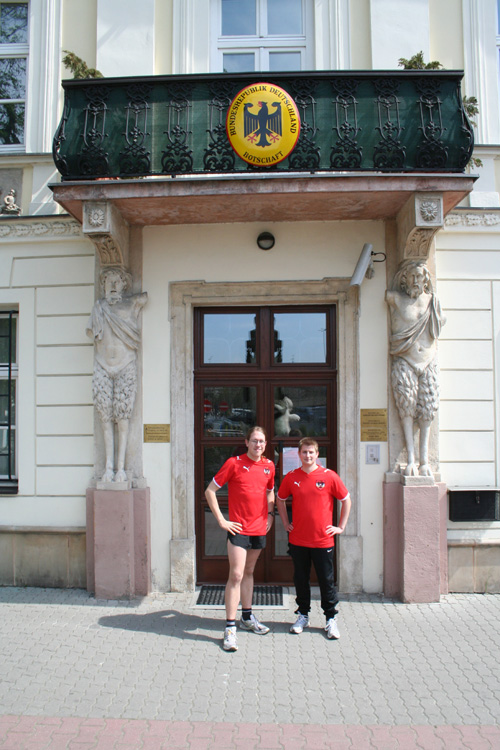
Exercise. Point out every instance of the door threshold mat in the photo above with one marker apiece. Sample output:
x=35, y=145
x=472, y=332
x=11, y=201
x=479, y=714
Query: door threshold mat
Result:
x=263, y=596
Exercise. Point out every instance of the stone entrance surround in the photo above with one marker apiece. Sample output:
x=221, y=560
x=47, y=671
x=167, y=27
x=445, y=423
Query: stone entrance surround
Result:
x=184, y=297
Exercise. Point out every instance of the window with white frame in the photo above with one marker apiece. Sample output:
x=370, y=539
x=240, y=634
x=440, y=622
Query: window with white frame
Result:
x=8, y=400
x=265, y=35
x=13, y=73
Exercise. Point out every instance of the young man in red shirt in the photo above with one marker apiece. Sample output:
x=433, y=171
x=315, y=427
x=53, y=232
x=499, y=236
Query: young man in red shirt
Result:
x=313, y=490
x=250, y=482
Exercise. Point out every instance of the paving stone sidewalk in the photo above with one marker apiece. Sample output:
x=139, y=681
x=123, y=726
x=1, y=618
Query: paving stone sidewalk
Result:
x=81, y=673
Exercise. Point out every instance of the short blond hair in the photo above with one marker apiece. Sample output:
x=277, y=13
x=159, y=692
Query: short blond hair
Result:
x=308, y=441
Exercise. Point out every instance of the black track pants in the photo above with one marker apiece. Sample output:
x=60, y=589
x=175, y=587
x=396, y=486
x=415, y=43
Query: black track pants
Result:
x=322, y=559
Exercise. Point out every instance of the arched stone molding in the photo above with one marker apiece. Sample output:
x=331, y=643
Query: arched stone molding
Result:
x=184, y=297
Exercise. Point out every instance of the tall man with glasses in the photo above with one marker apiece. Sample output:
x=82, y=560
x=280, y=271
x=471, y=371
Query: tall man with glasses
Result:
x=250, y=482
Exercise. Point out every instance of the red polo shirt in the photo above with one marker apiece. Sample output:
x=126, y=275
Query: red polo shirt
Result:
x=313, y=496
x=248, y=483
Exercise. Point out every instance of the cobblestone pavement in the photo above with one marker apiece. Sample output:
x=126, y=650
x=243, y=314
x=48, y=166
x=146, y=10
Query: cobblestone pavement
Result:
x=81, y=673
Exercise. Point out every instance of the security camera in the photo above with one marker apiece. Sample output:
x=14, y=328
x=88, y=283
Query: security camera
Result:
x=364, y=266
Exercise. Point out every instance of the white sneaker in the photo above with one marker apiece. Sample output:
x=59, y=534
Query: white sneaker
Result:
x=254, y=625
x=230, y=639
x=332, y=629
x=300, y=623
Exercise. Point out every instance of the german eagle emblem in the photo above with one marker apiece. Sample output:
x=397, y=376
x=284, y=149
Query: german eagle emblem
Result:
x=264, y=124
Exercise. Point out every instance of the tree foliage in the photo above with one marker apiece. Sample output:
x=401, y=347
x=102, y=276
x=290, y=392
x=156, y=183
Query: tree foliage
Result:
x=417, y=63
x=79, y=67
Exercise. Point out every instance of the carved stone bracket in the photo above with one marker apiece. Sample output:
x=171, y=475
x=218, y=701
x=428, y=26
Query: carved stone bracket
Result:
x=417, y=222
x=108, y=230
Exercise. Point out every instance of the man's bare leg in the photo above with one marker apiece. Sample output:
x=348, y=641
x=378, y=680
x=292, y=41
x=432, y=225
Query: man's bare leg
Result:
x=247, y=582
x=237, y=557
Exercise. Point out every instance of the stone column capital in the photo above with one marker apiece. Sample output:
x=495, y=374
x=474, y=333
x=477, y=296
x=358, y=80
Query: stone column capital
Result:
x=104, y=225
x=417, y=222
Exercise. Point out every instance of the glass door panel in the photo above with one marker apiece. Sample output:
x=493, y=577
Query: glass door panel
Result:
x=300, y=411
x=300, y=337
x=228, y=411
x=215, y=539
x=229, y=338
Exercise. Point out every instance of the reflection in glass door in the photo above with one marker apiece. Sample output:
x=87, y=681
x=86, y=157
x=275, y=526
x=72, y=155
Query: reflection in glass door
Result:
x=265, y=366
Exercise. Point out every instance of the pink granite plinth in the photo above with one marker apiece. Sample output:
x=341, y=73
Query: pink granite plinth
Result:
x=415, y=549
x=118, y=543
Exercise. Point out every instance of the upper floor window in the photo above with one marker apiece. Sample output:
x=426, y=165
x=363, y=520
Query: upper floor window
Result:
x=261, y=35
x=8, y=400
x=13, y=72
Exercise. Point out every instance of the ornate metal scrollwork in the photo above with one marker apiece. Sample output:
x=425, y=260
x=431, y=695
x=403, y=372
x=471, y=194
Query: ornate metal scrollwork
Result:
x=306, y=155
x=177, y=157
x=219, y=156
x=135, y=159
x=345, y=153
x=468, y=132
x=93, y=158
x=432, y=153
x=389, y=154
x=59, y=139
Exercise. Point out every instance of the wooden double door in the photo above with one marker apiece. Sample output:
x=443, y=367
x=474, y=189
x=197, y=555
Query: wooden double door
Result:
x=268, y=366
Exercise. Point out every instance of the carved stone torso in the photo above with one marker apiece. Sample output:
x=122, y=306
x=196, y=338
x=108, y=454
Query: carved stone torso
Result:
x=412, y=334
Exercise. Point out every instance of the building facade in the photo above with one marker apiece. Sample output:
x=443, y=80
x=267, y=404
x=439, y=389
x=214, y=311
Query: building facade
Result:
x=230, y=333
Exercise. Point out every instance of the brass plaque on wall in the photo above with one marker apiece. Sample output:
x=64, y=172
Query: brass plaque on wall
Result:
x=374, y=425
x=157, y=433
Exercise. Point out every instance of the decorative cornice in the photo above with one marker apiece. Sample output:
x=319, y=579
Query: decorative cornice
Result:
x=472, y=219
x=47, y=227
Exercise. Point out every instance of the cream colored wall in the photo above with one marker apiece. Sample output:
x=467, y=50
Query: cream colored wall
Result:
x=79, y=24
x=47, y=271
x=468, y=271
x=446, y=33
x=361, y=52
x=373, y=395
x=229, y=253
x=163, y=37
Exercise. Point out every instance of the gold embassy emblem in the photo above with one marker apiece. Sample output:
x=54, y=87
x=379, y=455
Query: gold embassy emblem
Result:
x=263, y=124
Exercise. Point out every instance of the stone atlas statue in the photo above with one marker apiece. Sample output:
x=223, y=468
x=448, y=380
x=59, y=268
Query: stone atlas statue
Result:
x=416, y=321
x=114, y=327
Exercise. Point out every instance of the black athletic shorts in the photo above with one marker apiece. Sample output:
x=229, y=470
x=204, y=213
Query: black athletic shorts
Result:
x=247, y=542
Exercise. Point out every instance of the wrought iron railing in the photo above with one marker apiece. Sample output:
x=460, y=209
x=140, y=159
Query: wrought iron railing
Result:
x=400, y=121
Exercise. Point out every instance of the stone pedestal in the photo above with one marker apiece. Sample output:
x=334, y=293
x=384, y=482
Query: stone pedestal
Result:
x=415, y=547
x=118, y=543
